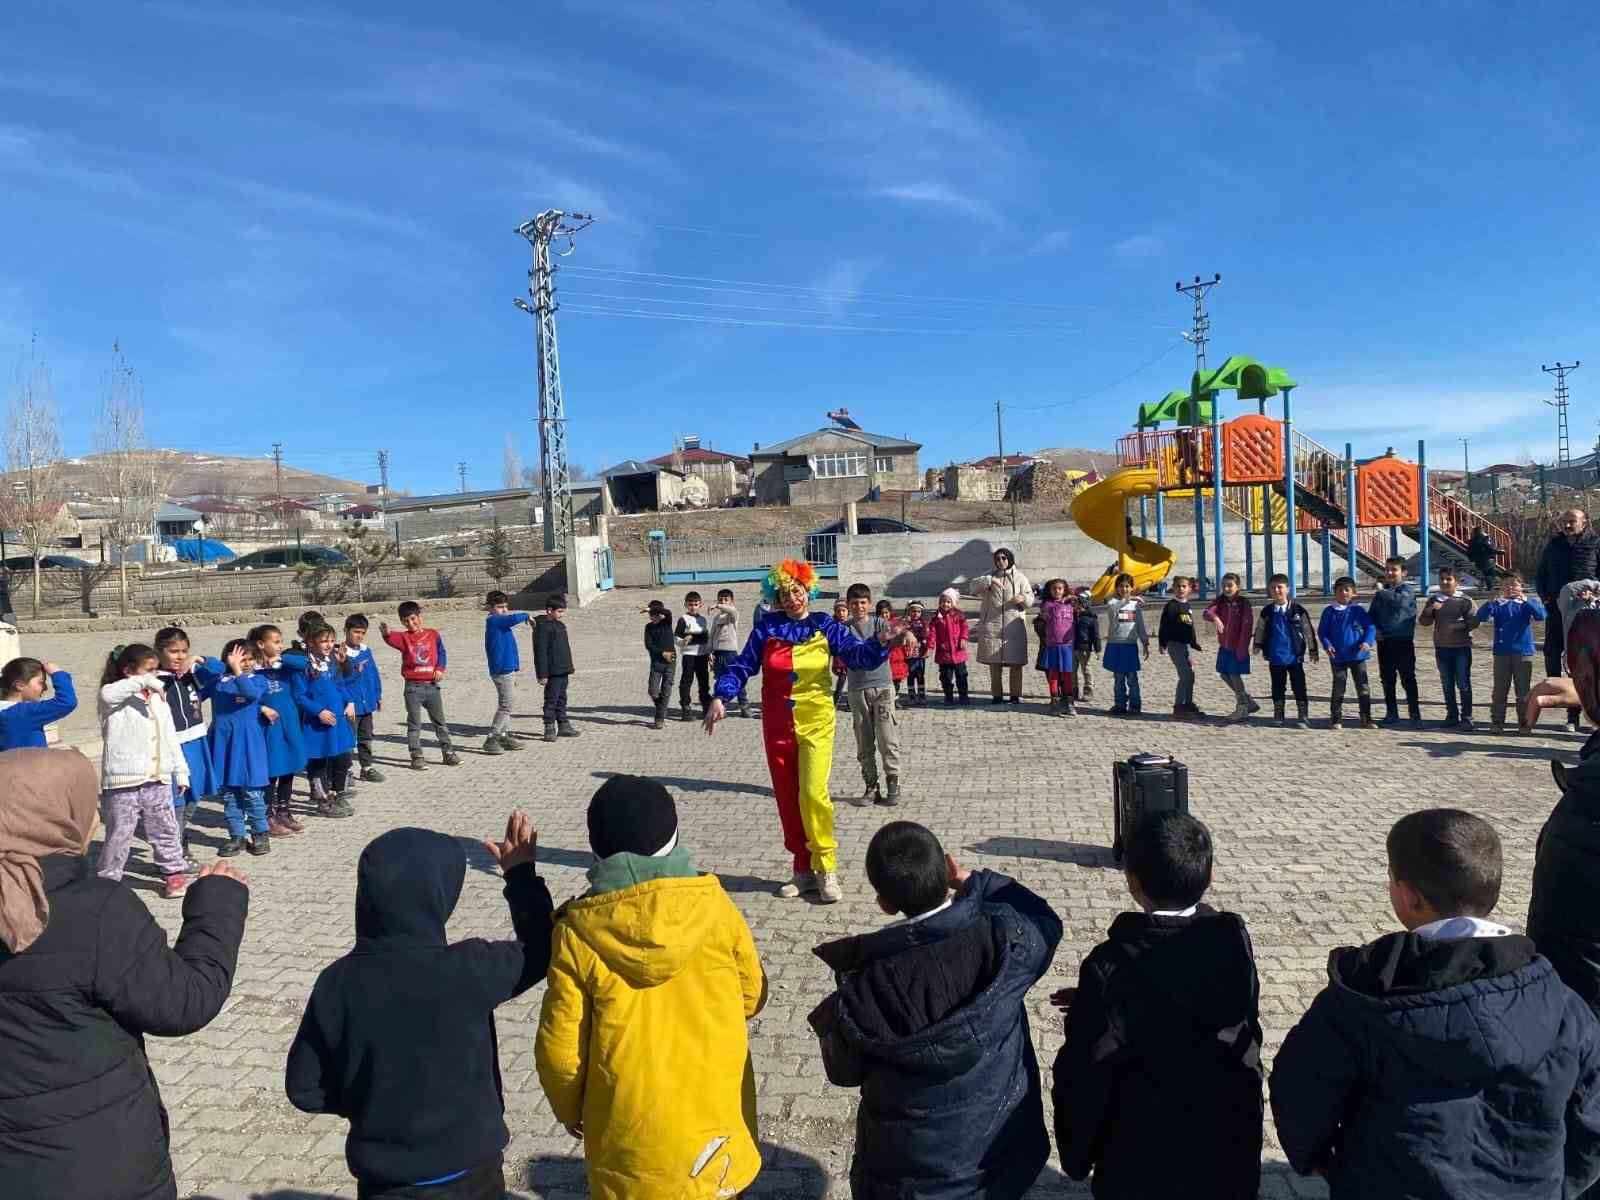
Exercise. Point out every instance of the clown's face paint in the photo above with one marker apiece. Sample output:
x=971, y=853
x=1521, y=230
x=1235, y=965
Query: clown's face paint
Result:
x=794, y=601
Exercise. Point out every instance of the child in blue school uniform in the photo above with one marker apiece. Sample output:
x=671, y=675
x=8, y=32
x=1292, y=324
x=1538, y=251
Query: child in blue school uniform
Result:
x=23, y=711
x=365, y=685
x=500, y=649
x=1513, y=616
x=238, y=745
x=1348, y=635
x=321, y=693
x=189, y=682
x=286, y=752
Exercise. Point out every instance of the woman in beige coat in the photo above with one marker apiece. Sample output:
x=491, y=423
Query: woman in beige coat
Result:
x=1002, y=623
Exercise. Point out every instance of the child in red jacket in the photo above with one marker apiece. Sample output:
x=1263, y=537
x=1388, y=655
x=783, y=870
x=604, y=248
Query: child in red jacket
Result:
x=898, y=669
x=948, y=632
x=422, y=663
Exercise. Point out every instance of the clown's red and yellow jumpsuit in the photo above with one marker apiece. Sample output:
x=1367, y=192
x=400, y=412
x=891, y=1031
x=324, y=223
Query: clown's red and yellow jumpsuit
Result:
x=797, y=715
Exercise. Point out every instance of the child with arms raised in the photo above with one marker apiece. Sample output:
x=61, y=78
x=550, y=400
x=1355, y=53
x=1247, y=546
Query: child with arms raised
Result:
x=24, y=712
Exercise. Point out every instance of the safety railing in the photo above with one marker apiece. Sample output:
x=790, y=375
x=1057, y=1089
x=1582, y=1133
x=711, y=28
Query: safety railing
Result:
x=1181, y=458
x=1453, y=519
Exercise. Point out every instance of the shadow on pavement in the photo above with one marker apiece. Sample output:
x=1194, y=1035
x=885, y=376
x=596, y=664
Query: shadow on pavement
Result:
x=684, y=784
x=1080, y=853
x=1494, y=745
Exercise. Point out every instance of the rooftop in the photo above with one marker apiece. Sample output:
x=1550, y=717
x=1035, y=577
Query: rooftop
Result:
x=878, y=441
x=451, y=499
x=694, y=454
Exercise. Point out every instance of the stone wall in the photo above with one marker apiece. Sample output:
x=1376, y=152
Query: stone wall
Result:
x=68, y=593
x=448, y=518
x=962, y=482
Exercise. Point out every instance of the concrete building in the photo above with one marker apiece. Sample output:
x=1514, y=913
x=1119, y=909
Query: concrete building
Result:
x=456, y=512
x=833, y=466
x=643, y=486
x=725, y=475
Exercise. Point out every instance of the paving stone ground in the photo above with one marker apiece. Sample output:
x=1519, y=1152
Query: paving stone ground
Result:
x=1299, y=820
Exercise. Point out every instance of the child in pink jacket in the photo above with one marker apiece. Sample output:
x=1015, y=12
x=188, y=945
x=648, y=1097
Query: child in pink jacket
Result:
x=1231, y=616
x=948, y=631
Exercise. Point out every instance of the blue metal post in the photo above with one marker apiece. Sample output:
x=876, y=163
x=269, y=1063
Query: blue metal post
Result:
x=1161, y=518
x=1249, y=553
x=1288, y=490
x=1327, y=561
x=1144, y=530
x=1422, y=499
x=1216, y=486
x=1305, y=557
x=1200, y=536
x=1350, y=511
x=1266, y=513
x=1394, y=541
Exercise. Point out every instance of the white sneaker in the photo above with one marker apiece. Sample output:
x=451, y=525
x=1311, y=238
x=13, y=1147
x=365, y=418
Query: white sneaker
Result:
x=803, y=882
x=830, y=892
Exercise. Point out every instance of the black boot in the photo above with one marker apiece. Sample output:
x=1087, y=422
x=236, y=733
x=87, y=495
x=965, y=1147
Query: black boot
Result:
x=1277, y=714
x=260, y=843
x=231, y=847
x=565, y=729
x=1335, y=721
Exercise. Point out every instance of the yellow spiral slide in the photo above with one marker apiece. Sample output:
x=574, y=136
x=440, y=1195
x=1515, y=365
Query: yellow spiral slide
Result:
x=1099, y=512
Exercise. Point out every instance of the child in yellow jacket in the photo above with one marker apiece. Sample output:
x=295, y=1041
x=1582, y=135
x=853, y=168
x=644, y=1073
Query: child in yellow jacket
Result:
x=652, y=945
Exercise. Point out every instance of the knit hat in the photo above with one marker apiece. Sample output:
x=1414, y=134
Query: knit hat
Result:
x=632, y=814
x=951, y=595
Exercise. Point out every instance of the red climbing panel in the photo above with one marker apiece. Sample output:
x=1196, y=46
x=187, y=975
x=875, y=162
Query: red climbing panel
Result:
x=1386, y=492
x=1252, y=450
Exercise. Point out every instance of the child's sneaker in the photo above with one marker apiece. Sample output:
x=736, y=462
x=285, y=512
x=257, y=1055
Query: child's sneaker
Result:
x=1117, y=710
x=291, y=825
x=175, y=886
x=451, y=759
x=1368, y=723
x=509, y=742
x=334, y=806
x=869, y=797
x=492, y=745
x=1497, y=727
x=231, y=847
x=828, y=889
x=1335, y=722
x=418, y=763
x=1068, y=710
x=260, y=843
x=371, y=775
x=804, y=882
x=565, y=729
x=550, y=728
x=891, y=796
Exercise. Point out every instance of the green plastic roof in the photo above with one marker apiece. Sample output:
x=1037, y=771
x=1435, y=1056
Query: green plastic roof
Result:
x=1174, y=407
x=1246, y=377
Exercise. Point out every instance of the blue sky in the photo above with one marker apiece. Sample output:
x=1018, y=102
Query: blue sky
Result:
x=297, y=219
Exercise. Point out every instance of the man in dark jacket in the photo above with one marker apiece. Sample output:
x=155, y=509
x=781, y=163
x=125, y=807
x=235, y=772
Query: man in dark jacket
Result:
x=85, y=973
x=399, y=1036
x=1572, y=553
x=552, y=664
x=1448, y=1060
x=929, y=1022
x=1163, y=1040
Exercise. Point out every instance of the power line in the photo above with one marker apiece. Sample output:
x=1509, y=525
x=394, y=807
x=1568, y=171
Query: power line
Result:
x=713, y=319
x=1144, y=366
x=821, y=312
x=789, y=287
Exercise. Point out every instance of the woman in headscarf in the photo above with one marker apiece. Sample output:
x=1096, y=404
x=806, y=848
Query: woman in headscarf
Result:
x=1005, y=594
x=85, y=972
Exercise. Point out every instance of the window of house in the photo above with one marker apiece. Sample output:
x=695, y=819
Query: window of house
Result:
x=883, y=464
x=839, y=464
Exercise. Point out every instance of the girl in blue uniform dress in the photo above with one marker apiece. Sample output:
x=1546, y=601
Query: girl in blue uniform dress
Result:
x=238, y=744
x=286, y=751
x=321, y=693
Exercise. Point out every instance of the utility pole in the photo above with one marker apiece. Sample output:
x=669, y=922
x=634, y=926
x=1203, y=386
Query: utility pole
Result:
x=461, y=470
x=383, y=480
x=1200, y=333
x=1466, y=470
x=553, y=470
x=277, y=468
x=1563, y=443
x=1000, y=449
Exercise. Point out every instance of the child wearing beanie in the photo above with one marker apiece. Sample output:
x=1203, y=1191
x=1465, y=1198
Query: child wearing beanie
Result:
x=652, y=945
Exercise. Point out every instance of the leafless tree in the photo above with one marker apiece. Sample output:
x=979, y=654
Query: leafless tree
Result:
x=511, y=471
x=127, y=470
x=33, y=496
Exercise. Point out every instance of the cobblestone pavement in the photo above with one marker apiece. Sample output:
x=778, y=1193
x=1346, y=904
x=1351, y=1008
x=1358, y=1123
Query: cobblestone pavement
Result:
x=1299, y=820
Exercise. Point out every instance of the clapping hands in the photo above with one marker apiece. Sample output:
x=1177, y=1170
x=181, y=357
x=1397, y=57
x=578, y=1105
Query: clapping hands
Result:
x=521, y=844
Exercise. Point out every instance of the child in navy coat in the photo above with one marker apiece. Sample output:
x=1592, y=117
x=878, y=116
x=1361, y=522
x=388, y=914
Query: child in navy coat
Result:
x=238, y=746
x=321, y=693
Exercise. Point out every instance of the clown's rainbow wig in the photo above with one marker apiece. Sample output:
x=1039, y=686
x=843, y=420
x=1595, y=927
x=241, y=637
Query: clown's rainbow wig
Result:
x=791, y=572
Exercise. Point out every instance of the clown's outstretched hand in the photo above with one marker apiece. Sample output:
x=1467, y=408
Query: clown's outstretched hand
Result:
x=715, y=711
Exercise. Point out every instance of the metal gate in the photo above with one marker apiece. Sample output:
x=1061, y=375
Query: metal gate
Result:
x=727, y=560
x=604, y=568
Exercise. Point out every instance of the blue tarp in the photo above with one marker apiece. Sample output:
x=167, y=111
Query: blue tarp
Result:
x=201, y=550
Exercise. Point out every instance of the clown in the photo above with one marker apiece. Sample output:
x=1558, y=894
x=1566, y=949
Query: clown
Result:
x=791, y=648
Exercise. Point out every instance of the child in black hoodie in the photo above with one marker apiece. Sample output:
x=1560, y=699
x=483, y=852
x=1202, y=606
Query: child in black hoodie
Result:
x=1158, y=1087
x=662, y=647
x=1447, y=1059
x=398, y=1037
x=929, y=1021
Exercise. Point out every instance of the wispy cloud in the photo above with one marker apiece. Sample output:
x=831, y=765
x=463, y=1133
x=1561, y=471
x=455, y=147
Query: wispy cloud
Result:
x=840, y=284
x=1140, y=247
x=942, y=198
x=1053, y=242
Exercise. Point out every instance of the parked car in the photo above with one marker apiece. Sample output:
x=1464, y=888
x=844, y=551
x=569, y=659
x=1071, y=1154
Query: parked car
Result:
x=285, y=556
x=821, y=544
x=48, y=562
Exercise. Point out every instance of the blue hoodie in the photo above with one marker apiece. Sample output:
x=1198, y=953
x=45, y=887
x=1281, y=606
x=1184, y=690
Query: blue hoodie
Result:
x=1394, y=611
x=22, y=722
x=1344, y=631
x=1513, y=623
x=500, y=644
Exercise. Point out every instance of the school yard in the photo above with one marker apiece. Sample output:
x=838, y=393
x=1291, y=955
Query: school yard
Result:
x=1299, y=820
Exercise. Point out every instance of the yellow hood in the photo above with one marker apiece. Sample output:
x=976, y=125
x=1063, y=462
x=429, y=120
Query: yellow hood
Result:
x=648, y=932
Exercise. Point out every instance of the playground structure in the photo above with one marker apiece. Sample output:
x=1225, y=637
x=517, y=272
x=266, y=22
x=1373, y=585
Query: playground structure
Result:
x=1268, y=469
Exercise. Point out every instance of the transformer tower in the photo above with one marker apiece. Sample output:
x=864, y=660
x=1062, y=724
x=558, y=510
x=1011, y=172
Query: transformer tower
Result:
x=1563, y=441
x=553, y=472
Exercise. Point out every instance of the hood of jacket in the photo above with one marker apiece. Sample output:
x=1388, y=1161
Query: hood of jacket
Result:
x=1457, y=1010
x=407, y=885
x=1179, y=975
x=647, y=933
x=918, y=993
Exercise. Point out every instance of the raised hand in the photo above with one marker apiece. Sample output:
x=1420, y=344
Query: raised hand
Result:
x=521, y=842
x=236, y=660
x=226, y=870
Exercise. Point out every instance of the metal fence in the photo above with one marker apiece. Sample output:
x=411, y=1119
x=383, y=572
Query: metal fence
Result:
x=727, y=560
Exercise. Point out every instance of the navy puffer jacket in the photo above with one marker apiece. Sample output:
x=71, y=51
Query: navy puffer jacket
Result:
x=929, y=1023
x=1441, y=1069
